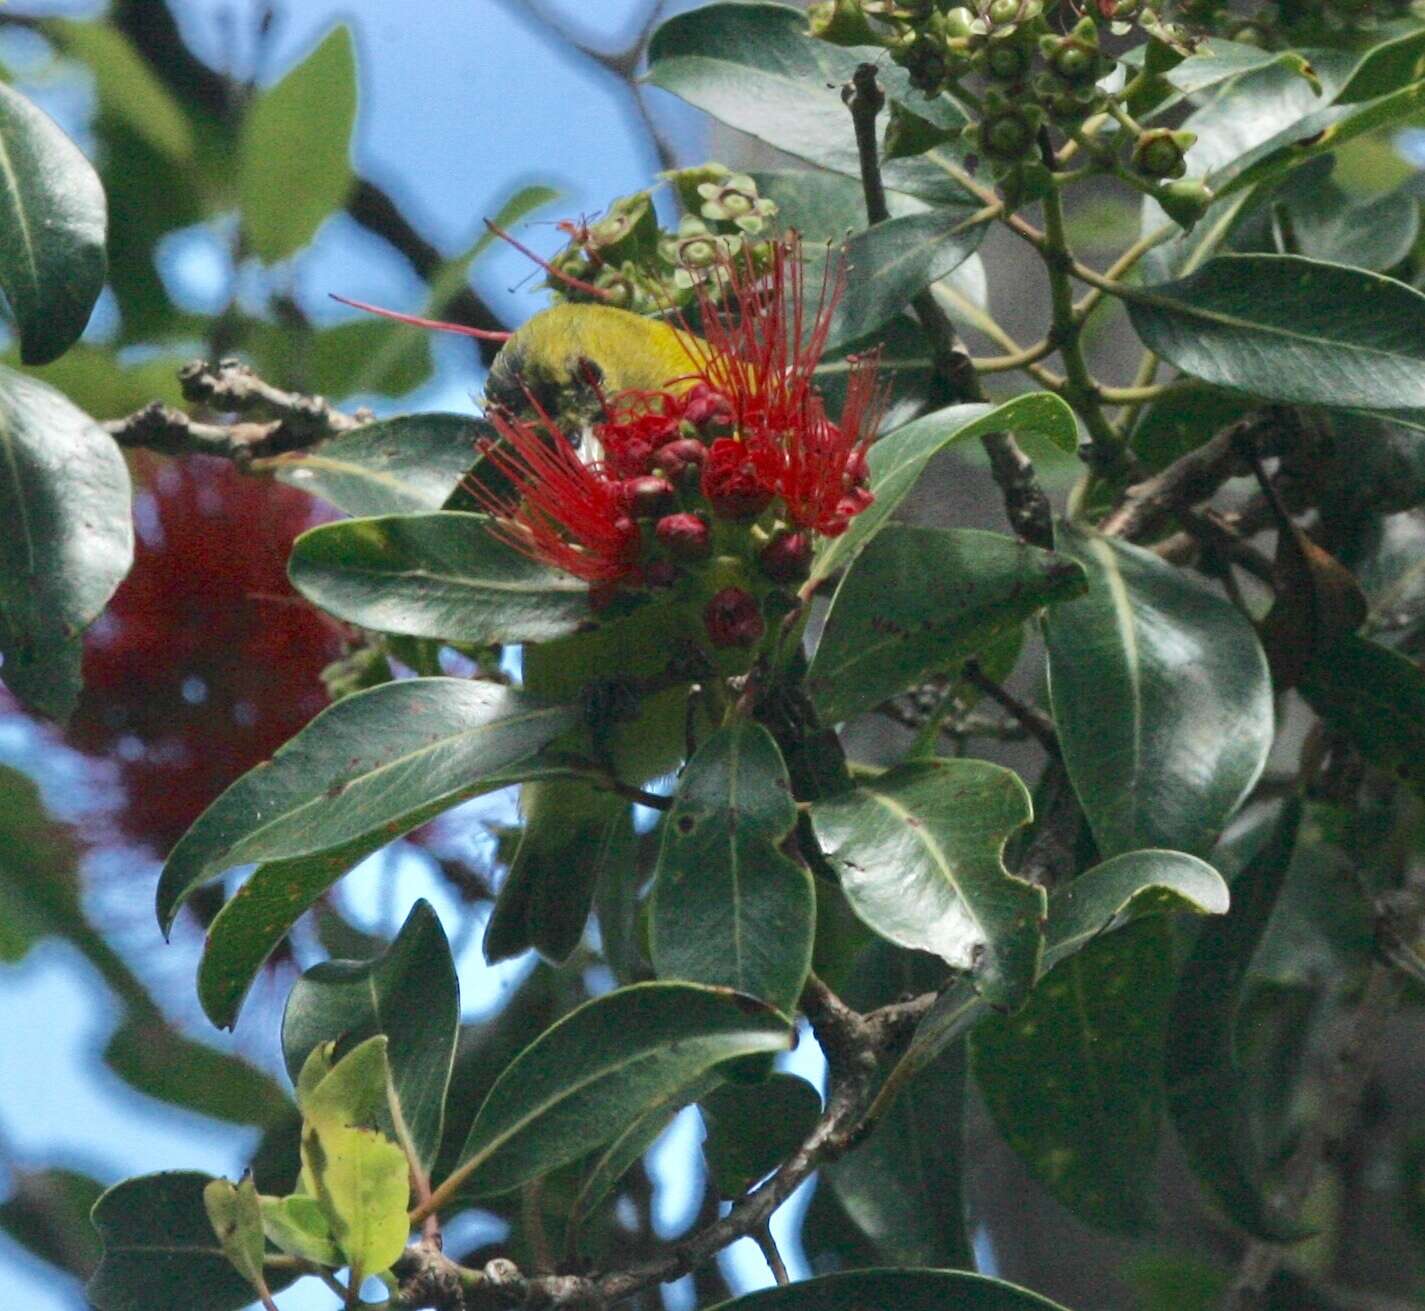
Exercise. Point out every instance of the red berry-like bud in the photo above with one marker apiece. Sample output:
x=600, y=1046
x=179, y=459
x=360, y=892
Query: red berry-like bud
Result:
x=731, y=482
x=647, y=497
x=686, y=452
x=685, y=536
x=787, y=557
x=733, y=619
x=858, y=468
x=705, y=407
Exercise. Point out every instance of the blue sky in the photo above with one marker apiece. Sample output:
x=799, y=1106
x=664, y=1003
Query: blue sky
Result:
x=461, y=102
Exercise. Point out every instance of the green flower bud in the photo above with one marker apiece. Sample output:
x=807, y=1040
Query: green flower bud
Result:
x=1067, y=105
x=1074, y=58
x=1158, y=152
x=960, y=24
x=734, y=200
x=1185, y=200
x=1006, y=60
x=1006, y=133
x=927, y=63
x=842, y=23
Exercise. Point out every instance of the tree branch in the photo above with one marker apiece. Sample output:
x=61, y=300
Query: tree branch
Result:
x=1026, y=505
x=296, y=421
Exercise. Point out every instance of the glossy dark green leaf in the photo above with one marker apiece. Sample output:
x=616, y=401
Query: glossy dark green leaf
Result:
x=919, y=850
x=618, y=1156
x=294, y=158
x=1183, y=420
x=1204, y=1080
x=570, y=832
x=753, y=1127
x=899, y=458
x=601, y=1067
x=729, y=906
x=1161, y=696
x=901, y=1290
x=442, y=576
x=395, y=466
x=160, y=1250
x=891, y=263
x=52, y=222
x=66, y=538
x=1294, y=330
x=1074, y=1079
x=902, y=1187
x=153, y=1057
x=39, y=886
x=1329, y=224
x=920, y=601
x=47, y=1214
x=1216, y=60
x=756, y=68
x=372, y=766
x=1375, y=697
x=411, y=995
x=1106, y=898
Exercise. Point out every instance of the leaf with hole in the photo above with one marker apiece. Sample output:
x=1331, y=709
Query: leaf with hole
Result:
x=919, y=851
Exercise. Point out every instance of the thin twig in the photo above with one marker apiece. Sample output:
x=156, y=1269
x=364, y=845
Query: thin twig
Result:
x=1037, y=724
x=1026, y=505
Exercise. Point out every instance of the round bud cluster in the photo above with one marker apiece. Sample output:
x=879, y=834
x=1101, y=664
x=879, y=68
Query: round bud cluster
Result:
x=626, y=260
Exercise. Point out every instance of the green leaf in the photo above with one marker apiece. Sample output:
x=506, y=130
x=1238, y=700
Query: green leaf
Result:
x=902, y=1187
x=920, y=854
x=602, y=1067
x=410, y=995
x=365, y=770
x=1161, y=696
x=396, y=466
x=47, y=1214
x=443, y=576
x=236, y=1217
x=1329, y=224
x=1204, y=1081
x=151, y=1056
x=294, y=157
x=608, y=1166
x=891, y=263
x=1388, y=61
x=899, y=458
x=1106, y=898
x=52, y=222
x=356, y=1171
x=160, y=1250
x=1074, y=1079
x=1294, y=330
x=753, y=1127
x=298, y=1225
x=66, y=537
x=1375, y=697
x=1182, y=421
x=729, y=907
x=921, y=601
x=128, y=86
x=903, y=1290
x=39, y=887
x=1216, y=59
x=571, y=831
x=756, y=68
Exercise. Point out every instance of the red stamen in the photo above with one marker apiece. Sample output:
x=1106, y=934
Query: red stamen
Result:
x=483, y=334
x=568, y=279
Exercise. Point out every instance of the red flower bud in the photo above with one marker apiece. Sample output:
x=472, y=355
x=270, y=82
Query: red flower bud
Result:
x=705, y=407
x=647, y=497
x=685, y=453
x=787, y=557
x=731, y=481
x=858, y=469
x=685, y=536
x=733, y=619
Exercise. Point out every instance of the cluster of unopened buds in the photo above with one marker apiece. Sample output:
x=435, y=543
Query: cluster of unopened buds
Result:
x=712, y=491
x=625, y=258
x=1028, y=77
